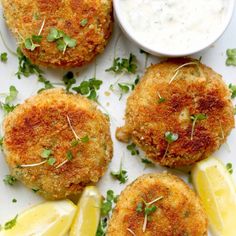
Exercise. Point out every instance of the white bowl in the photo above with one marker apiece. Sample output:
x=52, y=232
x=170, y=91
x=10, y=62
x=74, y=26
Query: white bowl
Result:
x=124, y=26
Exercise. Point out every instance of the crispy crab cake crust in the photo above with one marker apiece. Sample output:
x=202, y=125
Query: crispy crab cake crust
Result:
x=179, y=213
x=25, y=18
x=42, y=123
x=197, y=89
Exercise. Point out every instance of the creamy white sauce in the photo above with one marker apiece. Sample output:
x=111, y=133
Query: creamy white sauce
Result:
x=174, y=26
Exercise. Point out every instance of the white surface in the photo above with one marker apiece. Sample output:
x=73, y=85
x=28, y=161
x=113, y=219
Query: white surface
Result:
x=214, y=57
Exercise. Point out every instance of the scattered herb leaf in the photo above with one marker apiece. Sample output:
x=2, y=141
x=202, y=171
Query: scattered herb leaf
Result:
x=232, y=90
x=229, y=167
x=11, y=223
x=3, y=57
x=9, y=180
x=231, y=57
x=132, y=148
x=69, y=80
x=195, y=118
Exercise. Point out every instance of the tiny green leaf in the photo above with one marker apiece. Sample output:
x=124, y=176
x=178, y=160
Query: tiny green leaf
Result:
x=46, y=153
x=9, y=180
x=85, y=139
x=69, y=155
x=3, y=57
x=11, y=223
x=51, y=161
x=84, y=22
x=231, y=57
x=171, y=137
x=229, y=167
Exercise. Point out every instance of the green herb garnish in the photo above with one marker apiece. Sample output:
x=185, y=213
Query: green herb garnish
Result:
x=3, y=57
x=7, y=107
x=232, y=90
x=147, y=209
x=89, y=88
x=84, y=22
x=132, y=148
x=195, y=118
x=127, y=65
x=33, y=42
x=69, y=80
x=11, y=223
x=120, y=175
x=170, y=138
x=229, y=167
x=62, y=40
x=9, y=180
x=231, y=57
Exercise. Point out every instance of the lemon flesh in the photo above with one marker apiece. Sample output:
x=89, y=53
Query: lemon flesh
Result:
x=88, y=213
x=47, y=219
x=217, y=191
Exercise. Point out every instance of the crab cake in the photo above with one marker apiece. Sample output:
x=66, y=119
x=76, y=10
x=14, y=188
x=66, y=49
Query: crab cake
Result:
x=180, y=113
x=172, y=208
x=57, y=143
x=73, y=31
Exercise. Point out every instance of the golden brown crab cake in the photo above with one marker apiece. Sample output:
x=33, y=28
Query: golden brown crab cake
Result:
x=176, y=210
x=89, y=22
x=183, y=102
x=57, y=143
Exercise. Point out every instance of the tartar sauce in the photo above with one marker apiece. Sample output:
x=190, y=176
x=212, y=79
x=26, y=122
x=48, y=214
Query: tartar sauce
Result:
x=174, y=25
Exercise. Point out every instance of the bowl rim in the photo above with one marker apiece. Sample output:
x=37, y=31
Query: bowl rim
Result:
x=123, y=26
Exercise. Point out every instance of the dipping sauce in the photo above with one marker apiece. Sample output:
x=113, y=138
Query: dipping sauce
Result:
x=174, y=26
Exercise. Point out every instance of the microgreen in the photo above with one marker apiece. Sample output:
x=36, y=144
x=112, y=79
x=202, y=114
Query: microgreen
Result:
x=89, y=88
x=63, y=41
x=3, y=57
x=9, y=180
x=7, y=107
x=127, y=65
x=1, y=142
x=69, y=80
x=106, y=209
x=14, y=200
x=85, y=139
x=11, y=223
x=12, y=94
x=229, y=167
x=120, y=175
x=147, y=208
x=47, y=83
x=231, y=57
x=170, y=138
x=46, y=153
x=195, y=118
x=133, y=150
x=147, y=162
x=84, y=22
x=69, y=155
x=232, y=90
x=32, y=42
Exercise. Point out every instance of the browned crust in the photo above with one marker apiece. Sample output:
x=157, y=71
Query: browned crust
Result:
x=66, y=16
x=178, y=213
x=41, y=123
x=193, y=92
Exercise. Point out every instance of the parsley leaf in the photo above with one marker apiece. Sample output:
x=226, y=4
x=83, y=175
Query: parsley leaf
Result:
x=231, y=57
x=11, y=223
x=69, y=80
x=9, y=180
x=128, y=65
x=3, y=57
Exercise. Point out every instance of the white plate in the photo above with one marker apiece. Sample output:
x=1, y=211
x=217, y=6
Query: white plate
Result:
x=214, y=57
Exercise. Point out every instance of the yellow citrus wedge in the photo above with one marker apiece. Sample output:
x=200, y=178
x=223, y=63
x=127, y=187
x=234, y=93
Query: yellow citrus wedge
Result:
x=88, y=213
x=217, y=191
x=47, y=219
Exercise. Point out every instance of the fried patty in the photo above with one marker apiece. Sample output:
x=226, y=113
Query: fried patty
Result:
x=178, y=210
x=190, y=101
x=89, y=22
x=71, y=130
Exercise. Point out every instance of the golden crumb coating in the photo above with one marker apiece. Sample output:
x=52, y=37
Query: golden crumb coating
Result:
x=74, y=131
x=89, y=22
x=168, y=99
x=178, y=212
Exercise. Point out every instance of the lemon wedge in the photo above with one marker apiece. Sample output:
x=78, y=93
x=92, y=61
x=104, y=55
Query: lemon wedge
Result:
x=88, y=213
x=46, y=219
x=217, y=191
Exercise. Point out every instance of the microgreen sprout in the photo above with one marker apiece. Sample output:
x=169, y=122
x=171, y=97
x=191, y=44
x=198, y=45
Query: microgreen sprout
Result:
x=231, y=57
x=120, y=175
x=11, y=223
x=133, y=150
x=9, y=180
x=170, y=138
x=62, y=40
x=7, y=107
x=161, y=99
x=147, y=208
x=232, y=89
x=229, y=168
x=177, y=70
x=195, y=118
x=3, y=57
